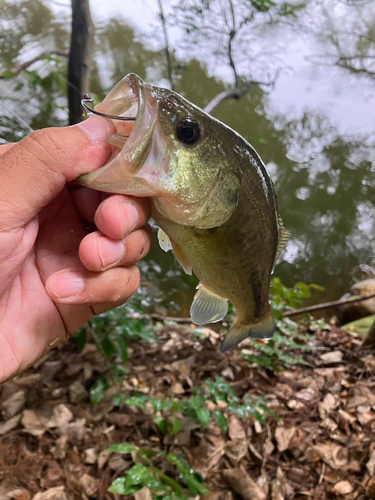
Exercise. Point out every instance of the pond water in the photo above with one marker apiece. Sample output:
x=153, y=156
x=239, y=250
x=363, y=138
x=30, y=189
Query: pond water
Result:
x=314, y=128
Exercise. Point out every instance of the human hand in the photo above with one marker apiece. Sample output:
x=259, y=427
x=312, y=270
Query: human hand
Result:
x=56, y=272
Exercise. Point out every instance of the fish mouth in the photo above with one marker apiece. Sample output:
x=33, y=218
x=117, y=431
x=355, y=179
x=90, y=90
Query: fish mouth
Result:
x=131, y=144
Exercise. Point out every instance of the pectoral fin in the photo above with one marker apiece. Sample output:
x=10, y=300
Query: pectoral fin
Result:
x=207, y=307
x=264, y=329
x=164, y=241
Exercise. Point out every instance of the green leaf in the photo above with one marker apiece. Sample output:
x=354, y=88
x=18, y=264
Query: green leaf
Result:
x=108, y=347
x=7, y=74
x=221, y=421
x=163, y=424
x=123, y=347
x=176, y=425
x=18, y=87
x=97, y=391
x=123, y=448
x=80, y=337
x=204, y=416
x=192, y=480
x=120, y=487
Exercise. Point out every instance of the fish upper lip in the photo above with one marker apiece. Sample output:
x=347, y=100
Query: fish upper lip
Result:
x=127, y=98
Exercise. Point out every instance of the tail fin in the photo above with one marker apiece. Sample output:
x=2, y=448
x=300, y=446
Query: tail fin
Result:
x=264, y=329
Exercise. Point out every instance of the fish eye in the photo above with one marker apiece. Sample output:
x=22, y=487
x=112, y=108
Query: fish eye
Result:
x=188, y=132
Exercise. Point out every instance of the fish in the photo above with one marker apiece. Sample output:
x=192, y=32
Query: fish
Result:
x=211, y=197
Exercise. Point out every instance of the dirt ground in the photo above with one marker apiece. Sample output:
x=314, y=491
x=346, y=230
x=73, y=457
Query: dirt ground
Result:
x=53, y=441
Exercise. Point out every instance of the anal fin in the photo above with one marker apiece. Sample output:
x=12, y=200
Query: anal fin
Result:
x=207, y=307
x=264, y=329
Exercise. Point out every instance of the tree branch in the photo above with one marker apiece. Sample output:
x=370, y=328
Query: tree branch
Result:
x=21, y=67
x=167, y=52
x=232, y=35
x=232, y=94
x=326, y=305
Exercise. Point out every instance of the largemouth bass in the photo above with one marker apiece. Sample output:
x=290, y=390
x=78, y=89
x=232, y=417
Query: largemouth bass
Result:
x=211, y=196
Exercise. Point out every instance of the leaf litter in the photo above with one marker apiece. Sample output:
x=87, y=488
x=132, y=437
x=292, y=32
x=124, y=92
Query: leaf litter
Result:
x=54, y=442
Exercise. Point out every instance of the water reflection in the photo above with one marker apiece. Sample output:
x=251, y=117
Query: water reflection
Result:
x=325, y=180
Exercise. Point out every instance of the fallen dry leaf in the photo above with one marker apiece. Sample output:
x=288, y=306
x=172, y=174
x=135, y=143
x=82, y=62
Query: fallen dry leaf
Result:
x=362, y=396
x=34, y=423
x=13, y=404
x=371, y=463
x=19, y=494
x=283, y=437
x=236, y=450
x=77, y=392
x=241, y=483
x=89, y=485
x=61, y=415
x=279, y=486
x=75, y=431
x=91, y=456
x=235, y=428
x=10, y=424
x=342, y=488
x=332, y=454
x=143, y=494
x=57, y=493
x=370, y=488
x=329, y=403
x=331, y=357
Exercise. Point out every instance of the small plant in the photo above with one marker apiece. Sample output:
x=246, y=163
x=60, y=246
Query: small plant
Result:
x=111, y=331
x=168, y=413
x=145, y=474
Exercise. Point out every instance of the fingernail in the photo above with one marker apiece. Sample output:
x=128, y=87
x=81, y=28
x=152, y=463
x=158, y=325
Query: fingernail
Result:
x=66, y=284
x=110, y=251
x=131, y=217
x=96, y=128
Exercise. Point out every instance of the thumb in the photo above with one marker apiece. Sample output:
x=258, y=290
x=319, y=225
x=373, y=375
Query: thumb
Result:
x=37, y=168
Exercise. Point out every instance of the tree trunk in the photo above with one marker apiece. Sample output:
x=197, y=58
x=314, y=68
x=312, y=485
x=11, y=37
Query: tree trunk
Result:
x=81, y=44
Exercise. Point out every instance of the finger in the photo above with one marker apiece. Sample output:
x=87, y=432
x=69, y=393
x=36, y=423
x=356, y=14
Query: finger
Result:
x=86, y=202
x=36, y=169
x=73, y=286
x=98, y=253
x=118, y=215
x=5, y=147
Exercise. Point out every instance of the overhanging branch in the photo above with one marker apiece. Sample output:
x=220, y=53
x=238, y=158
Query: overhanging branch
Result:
x=21, y=67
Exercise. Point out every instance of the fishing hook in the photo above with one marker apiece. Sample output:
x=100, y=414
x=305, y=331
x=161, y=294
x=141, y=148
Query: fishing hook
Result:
x=87, y=99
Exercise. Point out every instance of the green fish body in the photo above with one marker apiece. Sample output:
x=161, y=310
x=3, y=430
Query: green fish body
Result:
x=211, y=197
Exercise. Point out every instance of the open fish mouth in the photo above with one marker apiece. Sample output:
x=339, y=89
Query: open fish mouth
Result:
x=132, y=142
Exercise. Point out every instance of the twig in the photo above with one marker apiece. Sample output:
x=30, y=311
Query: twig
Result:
x=231, y=94
x=21, y=67
x=159, y=317
x=167, y=52
x=232, y=35
x=325, y=305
